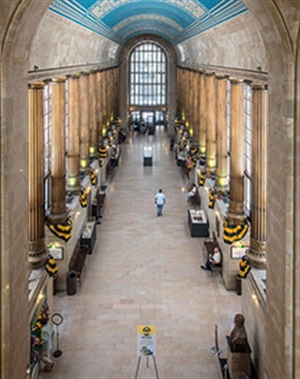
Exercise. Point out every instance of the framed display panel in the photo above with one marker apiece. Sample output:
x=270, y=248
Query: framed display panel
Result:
x=57, y=253
x=237, y=251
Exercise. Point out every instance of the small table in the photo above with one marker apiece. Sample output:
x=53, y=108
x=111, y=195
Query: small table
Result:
x=198, y=223
x=88, y=236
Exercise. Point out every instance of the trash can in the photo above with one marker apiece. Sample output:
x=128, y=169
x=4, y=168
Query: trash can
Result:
x=71, y=283
x=238, y=285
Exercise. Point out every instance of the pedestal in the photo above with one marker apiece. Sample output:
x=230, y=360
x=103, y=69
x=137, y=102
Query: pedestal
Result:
x=238, y=362
x=198, y=223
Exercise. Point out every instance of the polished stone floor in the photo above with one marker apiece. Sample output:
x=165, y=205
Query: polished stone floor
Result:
x=145, y=270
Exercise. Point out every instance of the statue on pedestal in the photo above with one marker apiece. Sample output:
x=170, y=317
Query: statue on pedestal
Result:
x=238, y=334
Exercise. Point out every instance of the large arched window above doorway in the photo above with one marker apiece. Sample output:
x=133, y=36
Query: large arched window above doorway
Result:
x=148, y=75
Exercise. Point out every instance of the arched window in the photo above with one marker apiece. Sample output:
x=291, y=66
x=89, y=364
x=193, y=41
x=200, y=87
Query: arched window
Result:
x=148, y=75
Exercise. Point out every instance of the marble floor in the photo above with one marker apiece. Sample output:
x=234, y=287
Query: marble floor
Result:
x=145, y=270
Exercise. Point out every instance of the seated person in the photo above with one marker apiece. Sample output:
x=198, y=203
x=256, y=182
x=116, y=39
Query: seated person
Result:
x=213, y=259
x=192, y=191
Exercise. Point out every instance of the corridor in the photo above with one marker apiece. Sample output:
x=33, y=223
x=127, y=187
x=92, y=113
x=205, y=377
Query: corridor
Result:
x=145, y=270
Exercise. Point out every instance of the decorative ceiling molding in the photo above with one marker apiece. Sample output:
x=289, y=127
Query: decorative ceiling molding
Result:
x=175, y=20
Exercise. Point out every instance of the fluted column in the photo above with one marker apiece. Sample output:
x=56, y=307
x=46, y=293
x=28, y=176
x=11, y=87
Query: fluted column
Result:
x=202, y=116
x=99, y=107
x=179, y=91
x=58, y=164
x=92, y=115
x=73, y=180
x=184, y=79
x=37, y=252
x=84, y=123
x=222, y=137
x=196, y=112
x=257, y=254
x=236, y=213
x=210, y=124
x=104, y=98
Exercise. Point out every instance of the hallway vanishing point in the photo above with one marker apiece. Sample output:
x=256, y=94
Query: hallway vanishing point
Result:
x=145, y=270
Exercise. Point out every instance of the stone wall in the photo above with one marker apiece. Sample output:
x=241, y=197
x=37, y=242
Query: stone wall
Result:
x=68, y=44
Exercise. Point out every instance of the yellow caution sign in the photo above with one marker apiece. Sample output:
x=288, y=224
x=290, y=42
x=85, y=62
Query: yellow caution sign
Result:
x=146, y=340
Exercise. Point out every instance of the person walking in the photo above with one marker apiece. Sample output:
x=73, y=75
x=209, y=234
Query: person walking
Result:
x=160, y=201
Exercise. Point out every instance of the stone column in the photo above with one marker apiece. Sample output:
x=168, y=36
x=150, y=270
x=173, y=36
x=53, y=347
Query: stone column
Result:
x=37, y=252
x=92, y=115
x=222, y=137
x=196, y=112
x=58, y=162
x=257, y=253
x=210, y=124
x=84, y=123
x=184, y=79
x=179, y=92
x=236, y=213
x=98, y=106
x=104, y=99
x=73, y=180
x=202, y=117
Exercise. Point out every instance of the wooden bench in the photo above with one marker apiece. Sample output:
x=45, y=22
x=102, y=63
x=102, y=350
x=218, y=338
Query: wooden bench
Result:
x=78, y=261
x=195, y=200
x=209, y=246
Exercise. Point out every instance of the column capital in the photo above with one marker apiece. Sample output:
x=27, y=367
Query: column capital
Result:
x=209, y=73
x=37, y=85
x=236, y=81
x=259, y=86
x=84, y=73
x=61, y=79
x=220, y=76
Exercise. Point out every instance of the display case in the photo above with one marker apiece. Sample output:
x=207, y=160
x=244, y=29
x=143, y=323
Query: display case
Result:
x=148, y=156
x=198, y=223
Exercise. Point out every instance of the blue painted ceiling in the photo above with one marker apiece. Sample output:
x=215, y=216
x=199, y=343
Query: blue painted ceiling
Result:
x=174, y=20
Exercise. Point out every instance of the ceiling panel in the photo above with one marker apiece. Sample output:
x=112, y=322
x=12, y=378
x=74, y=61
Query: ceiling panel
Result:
x=121, y=20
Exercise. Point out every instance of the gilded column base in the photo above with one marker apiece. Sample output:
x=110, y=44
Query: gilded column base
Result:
x=220, y=189
x=236, y=217
x=37, y=253
x=58, y=218
x=257, y=254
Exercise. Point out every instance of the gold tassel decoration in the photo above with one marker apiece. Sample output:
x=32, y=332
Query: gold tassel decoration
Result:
x=233, y=232
x=103, y=151
x=93, y=178
x=101, y=161
x=244, y=267
x=201, y=178
x=83, y=197
x=62, y=230
x=212, y=199
x=51, y=266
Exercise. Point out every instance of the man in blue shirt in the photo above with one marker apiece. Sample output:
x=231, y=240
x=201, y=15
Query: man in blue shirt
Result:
x=160, y=201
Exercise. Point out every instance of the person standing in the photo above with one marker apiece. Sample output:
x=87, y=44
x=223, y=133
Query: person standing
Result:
x=160, y=201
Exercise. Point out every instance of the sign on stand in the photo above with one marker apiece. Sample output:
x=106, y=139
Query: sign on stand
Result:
x=146, y=345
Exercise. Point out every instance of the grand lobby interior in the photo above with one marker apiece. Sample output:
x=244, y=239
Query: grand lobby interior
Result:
x=103, y=103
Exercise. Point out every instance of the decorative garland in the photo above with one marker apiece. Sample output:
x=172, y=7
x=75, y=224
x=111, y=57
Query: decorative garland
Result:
x=244, y=267
x=234, y=232
x=51, y=266
x=101, y=161
x=93, y=178
x=212, y=199
x=83, y=197
x=62, y=230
